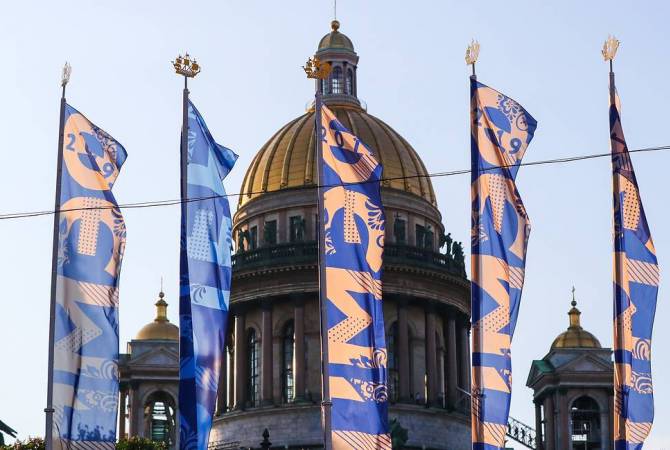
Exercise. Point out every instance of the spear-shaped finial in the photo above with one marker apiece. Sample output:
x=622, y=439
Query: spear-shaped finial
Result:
x=471, y=55
x=65, y=75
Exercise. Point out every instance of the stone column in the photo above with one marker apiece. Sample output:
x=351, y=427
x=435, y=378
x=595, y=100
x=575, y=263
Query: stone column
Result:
x=464, y=360
x=539, y=445
x=403, y=354
x=222, y=394
x=123, y=394
x=452, y=362
x=232, y=376
x=266, y=356
x=431, y=358
x=299, y=351
x=607, y=422
x=135, y=409
x=550, y=438
x=240, y=362
x=563, y=424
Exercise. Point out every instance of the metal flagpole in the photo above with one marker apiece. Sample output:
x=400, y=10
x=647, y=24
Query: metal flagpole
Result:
x=471, y=55
x=49, y=410
x=318, y=71
x=609, y=52
x=189, y=68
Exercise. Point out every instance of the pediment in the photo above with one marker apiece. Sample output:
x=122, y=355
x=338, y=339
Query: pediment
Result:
x=586, y=363
x=160, y=356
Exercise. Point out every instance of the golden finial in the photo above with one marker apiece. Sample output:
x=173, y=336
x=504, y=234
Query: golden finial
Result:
x=315, y=68
x=186, y=66
x=610, y=48
x=574, y=301
x=472, y=53
x=65, y=75
x=335, y=25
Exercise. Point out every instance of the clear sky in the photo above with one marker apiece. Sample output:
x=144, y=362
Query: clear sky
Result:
x=412, y=74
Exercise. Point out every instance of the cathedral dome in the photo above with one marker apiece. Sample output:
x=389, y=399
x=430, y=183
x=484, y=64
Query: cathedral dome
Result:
x=575, y=336
x=287, y=160
x=160, y=328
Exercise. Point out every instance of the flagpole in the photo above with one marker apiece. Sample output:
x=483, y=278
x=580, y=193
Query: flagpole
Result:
x=609, y=52
x=49, y=410
x=471, y=55
x=318, y=71
x=189, y=68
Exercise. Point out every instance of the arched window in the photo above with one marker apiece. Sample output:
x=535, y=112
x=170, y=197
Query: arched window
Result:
x=288, y=341
x=160, y=412
x=350, y=82
x=337, y=80
x=585, y=420
x=392, y=365
x=253, y=386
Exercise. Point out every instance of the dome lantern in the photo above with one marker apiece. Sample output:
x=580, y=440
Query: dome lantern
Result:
x=337, y=49
x=575, y=336
x=160, y=328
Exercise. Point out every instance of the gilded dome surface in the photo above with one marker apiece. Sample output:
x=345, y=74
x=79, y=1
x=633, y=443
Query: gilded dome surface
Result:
x=288, y=160
x=160, y=328
x=575, y=336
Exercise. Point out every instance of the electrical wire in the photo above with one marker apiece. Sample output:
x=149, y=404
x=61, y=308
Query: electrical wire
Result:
x=172, y=202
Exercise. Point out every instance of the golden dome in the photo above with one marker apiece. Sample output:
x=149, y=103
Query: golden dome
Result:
x=160, y=328
x=287, y=160
x=335, y=40
x=575, y=336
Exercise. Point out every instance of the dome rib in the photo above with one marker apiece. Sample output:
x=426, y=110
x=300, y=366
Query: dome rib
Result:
x=423, y=174
x=310, y=163
x=405, y=180
x=249, y=178
x=280, y=138
x=289, y=152
x=376, y=148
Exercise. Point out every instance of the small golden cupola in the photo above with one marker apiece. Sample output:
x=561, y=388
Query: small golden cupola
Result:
x=160, y=328
x=575, y=336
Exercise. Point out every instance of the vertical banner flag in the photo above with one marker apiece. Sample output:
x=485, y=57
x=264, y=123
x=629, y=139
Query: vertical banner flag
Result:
x=501, y=132
x=353, y=221
x=91, y=240
x=205, y=274
x=636, y=278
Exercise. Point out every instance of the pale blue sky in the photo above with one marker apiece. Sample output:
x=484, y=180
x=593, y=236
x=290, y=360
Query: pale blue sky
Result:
x=546, y=55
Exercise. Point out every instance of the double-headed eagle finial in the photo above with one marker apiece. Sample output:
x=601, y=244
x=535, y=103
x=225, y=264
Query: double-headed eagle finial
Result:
x=315, y=68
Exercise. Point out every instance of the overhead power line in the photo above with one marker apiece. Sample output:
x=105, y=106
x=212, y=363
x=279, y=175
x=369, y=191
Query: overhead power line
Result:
x=172, y=202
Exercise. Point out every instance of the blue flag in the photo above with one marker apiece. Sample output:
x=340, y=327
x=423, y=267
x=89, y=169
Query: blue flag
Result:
x=205, y=273
x=91, y=239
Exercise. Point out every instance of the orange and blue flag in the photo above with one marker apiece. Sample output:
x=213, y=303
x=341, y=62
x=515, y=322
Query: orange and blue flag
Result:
x=91, y=242
x=353, y=243
x=501, y=132
x=636, y=278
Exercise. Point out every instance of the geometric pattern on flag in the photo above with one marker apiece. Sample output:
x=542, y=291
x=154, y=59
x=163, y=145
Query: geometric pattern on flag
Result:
x=501, y=132
x=360, y=441
x=91, y=239
x=636, y=281
x=353, y=230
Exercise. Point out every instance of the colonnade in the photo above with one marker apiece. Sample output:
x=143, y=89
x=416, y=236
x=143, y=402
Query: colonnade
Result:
x=447, y=379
